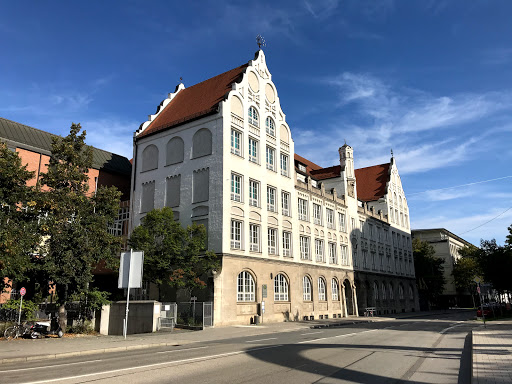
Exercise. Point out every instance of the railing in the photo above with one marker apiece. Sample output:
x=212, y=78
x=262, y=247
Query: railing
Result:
x=254, y=129
x=237, y=120
x=285, y=146
x=271, y=139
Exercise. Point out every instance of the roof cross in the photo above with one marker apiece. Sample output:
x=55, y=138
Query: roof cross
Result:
x=260, y=41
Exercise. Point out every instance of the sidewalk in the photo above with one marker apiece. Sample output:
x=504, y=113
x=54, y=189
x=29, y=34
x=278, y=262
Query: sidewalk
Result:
x=22, y=350
x=492, y=353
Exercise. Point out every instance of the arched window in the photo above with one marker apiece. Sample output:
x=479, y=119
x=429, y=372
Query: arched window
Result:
x=375, y=290
x=271, y=126
x=150, y=158
x=383, y=290
x=321, y=289
x=202, y=143
x=280, y=288
x=391, y=296
x=400, y=292
x=411, y=293
x=306, y=288
x=335, y=289
x=253, y=116
x=246, y=287
x=175, y=151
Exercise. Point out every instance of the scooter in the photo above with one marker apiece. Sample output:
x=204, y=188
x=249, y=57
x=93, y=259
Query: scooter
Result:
x=45, y=328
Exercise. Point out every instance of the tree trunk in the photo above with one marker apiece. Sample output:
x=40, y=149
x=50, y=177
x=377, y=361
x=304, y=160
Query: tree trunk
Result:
x=63, y=317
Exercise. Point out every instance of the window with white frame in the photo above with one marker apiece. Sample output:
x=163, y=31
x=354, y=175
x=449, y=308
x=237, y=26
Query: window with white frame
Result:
x=391, y=296
x=302, y=167
x=305, y=253
x=254, y=193
x=383, y=291
x=254, y=237
x=272, y=241
x=236, y=234
x=271, y=199
x=270, y=126
x=375, y=291
x=280, y=288
x=329, y=218
x=361, y=228
x=253, y=150
x=285, y=203
x=285, y=164
x=335, y=289
x=246, y=287
x=341, y=219
x=287, y=244
x=303, y=209
x=321, y=289
x=344, y=254
x=317, y=214
x=306, y=288
x=319, y=250
x=353, y=223
x=253, y=116
x=271, y=158
x=236, y=142
x=355, y=260
x=333, y=259
x=236, y=187
x=400, y=292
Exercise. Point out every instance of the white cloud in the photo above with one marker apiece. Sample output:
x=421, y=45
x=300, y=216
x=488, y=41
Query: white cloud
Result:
x=111, y=134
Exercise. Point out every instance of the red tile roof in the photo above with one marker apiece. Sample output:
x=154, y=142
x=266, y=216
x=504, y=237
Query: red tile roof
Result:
x=310, y=166
x=371, y=182
x=196, y=101
x=326, y=173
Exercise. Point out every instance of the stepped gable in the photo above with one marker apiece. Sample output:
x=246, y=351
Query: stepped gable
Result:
x=372, y=182
x=196, y=101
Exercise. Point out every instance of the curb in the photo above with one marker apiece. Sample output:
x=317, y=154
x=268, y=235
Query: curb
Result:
x=472, y=376
x=91, y=352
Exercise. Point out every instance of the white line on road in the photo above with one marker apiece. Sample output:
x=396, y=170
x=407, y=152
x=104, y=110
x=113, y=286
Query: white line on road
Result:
x=333, y=337
x=254, y=341
x=180, y=350
x=49, y=366
x=453, y=326
x=154, y=365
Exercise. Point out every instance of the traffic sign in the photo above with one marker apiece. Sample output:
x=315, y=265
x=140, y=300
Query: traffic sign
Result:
x=23, y=291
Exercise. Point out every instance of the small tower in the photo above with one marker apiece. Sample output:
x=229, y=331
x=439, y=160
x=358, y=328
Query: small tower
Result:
x=347, y=164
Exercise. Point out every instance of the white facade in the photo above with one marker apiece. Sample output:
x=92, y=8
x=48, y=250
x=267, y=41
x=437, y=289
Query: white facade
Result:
x=278, y=230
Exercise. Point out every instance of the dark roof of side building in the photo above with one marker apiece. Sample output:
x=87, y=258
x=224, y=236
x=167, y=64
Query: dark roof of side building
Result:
x=310, y=166
x=372, y=181
x=23, y=136
x=196, y=101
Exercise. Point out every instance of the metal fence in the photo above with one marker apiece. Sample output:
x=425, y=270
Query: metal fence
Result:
x=192, y=315
x=167, y=319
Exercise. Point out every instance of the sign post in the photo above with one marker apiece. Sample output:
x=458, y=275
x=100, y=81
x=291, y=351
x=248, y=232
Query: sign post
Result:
x=481, y=301
x=193, y=301
x=130, y=276
x=22, y=293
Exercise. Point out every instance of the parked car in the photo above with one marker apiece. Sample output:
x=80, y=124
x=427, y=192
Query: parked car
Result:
x=487, y=311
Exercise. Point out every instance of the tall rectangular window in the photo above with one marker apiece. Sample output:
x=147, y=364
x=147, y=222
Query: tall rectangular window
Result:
x=344, y=255
x=341, y=219
x=172, y=192
x=333, y=258
x=305, y=253
x=319, y=250
x=287, y=244
x=271, y=199
x=285, y=164
x=236, y=142
x=285, y=203
x=253, y=150
x=303, y=209
x=147, y=202
x=271, y=159
x=200, y=185
x=254, y=237
x=329, y=218
x=254, y=193
x=272, y=241
x=236, y=187
x=236, y=234
x=317, y=214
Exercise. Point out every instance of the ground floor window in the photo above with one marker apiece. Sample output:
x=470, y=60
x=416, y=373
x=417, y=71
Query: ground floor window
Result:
x=280, y=288
x=306, y=288
x=246, y=287
x=335, y=290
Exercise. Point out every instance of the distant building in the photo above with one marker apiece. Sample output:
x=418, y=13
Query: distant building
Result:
x=446, y=245
x=34, y=148
x=306, y=240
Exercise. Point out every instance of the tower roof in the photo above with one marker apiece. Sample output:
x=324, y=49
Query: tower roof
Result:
x=196, y=101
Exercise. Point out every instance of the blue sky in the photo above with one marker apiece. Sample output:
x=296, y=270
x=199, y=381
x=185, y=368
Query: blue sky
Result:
x=430, y=79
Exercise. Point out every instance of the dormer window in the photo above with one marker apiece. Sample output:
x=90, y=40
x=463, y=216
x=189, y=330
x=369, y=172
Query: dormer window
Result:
x=271, y=126
x=302, y=167
x=253, y=116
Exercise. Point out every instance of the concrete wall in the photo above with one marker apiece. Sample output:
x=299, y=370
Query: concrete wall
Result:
x=142, y=317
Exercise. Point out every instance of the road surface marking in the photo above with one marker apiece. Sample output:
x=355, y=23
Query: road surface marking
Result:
x=453, y=326
x=254, y=341
x=49, y=366
x=179, y=350
x=154, y=365
x=333, y=337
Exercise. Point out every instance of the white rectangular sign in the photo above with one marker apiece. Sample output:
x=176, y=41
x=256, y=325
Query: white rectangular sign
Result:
x=133, y=266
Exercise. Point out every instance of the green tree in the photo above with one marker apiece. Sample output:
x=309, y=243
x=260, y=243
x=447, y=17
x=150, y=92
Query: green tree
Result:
x=508, y=240
x=465, y=271
x=173, y=255
x=495, y=261
x=76, y=223
x=429, y=271
x=19, y=235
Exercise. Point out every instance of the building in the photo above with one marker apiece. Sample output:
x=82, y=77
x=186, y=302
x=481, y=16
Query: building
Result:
x=446, y=245
x=305, y=240
x=34, y=148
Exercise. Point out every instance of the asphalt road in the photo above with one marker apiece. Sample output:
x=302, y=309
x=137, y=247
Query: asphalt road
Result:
x=422, y=350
